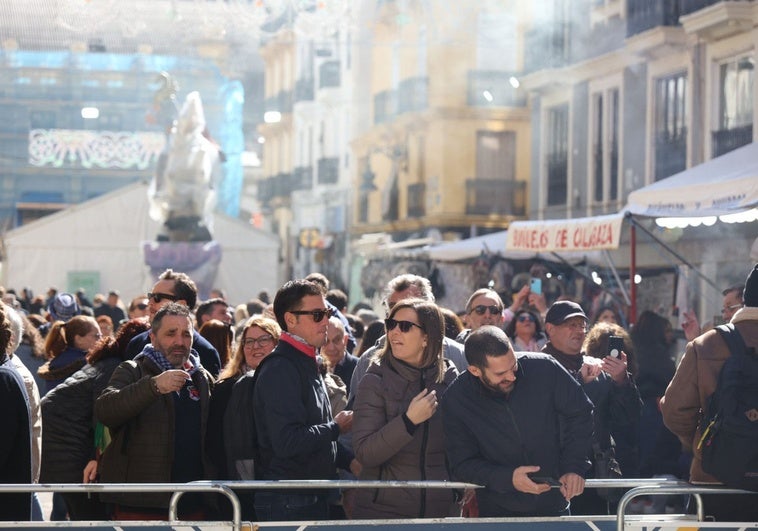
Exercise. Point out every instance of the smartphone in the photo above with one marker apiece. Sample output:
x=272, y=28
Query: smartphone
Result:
x=535, y=286
x=615, y=346
x=545, y=480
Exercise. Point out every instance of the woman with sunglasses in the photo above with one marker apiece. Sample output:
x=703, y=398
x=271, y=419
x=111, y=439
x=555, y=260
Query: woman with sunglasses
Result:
x=403, y=384
x=525, y=331
x=257, y=339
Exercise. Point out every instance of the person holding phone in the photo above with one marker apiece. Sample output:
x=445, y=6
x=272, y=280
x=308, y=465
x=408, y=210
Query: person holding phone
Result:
x=606, y=382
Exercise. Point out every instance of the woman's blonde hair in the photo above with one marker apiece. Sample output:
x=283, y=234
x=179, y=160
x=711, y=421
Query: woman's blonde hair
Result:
x=236, y=364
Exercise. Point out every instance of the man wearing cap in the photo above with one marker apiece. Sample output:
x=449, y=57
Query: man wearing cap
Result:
x=606, y=382
x=176, y=287
x=687, y=394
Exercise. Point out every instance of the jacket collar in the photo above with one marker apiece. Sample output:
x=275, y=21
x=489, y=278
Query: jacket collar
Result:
x=298, y=343
x=746, y=313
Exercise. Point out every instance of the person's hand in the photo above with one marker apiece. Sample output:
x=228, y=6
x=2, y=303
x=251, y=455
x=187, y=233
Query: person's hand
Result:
x=356, y=467
x=590, y=369
x=690, y=325
x=538, y=301
x=520, y=297
x=171, y=380
x=344, y=420
x=571, y=485
x=523, y=483
x=616, y=367
x=422, y=407
x=90, y=472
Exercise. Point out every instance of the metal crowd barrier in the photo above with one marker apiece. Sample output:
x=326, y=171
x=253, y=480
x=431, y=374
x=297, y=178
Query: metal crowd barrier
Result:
x=638, y=487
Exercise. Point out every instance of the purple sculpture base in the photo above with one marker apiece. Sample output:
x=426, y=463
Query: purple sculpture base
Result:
x=200, y=260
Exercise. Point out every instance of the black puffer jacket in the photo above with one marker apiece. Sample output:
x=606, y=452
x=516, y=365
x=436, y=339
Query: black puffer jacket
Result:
x=68, y=437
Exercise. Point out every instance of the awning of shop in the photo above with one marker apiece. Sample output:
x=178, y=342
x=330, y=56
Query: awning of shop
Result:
x=565, y=235
x=726, y=186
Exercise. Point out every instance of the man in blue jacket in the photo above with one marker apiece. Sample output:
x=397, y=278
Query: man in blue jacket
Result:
x=297, y=436
x=521, y=426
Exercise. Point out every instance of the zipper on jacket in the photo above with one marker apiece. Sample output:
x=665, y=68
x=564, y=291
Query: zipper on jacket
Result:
x=422, y=456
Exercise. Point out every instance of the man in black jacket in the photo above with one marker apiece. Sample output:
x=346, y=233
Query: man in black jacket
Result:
x=516, y=425
x=176, y=287
x=297, y=436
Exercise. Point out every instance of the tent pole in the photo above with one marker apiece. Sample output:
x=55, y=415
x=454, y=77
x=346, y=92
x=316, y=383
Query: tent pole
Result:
x=632, y=318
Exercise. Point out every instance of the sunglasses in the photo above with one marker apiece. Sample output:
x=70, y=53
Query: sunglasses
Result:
x=524, y=317
x=142, y=306
x=260, y=342
x=405, y=326
x=160, y=297
x=318, y=315
x=481, y=309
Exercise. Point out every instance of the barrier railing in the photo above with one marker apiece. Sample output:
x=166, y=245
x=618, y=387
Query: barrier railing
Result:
x=639, y=487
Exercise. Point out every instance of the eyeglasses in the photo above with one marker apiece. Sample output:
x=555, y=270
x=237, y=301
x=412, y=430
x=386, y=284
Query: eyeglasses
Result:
x=260, y=342
x=160, y=297
x=730, y=308
x=524, y=317
x=318, y=315
x=405, y=326
x=494, y=310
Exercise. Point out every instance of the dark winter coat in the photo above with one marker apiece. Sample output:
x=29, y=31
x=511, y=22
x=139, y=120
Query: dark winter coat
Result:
x=68, y=437
x=388, y=451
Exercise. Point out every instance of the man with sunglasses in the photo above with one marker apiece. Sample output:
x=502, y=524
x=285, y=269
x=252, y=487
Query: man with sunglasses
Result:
x=173, y=286
x=297, y=436
x=484, y=307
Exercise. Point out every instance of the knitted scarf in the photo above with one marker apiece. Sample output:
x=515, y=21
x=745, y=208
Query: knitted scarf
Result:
x=191, y=365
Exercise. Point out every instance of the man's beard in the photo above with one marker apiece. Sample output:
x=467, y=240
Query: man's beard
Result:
x=495, y=387
x=177, y=357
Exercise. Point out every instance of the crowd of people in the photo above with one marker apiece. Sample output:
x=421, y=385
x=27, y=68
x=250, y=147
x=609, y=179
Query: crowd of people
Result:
x=527, y=400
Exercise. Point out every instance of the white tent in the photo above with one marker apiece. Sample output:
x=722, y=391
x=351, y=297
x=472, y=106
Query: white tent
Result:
x=721, y=186
x=105, y=235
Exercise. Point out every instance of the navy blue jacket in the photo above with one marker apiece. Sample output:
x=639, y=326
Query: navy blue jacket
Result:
x=546, y=420
x=209, y=357
x=297, y=437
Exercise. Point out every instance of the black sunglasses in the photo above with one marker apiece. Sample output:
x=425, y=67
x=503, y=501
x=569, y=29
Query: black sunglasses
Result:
x=160, y=297
x=494, y=310
x=405, y=326
x=525, y=317
x=318, y=315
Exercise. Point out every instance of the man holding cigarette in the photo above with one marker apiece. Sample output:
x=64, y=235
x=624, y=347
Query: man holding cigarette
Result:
x=156, y=407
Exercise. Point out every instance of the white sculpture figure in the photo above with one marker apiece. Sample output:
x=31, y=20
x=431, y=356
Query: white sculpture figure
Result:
x=182, y=193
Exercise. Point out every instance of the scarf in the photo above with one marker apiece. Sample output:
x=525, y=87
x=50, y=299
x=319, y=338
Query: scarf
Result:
x=191, y=365
x=299, y=343
x=571, y=363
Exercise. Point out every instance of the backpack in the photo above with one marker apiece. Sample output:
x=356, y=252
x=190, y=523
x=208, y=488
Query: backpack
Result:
x=729, y=442
x=240, y=434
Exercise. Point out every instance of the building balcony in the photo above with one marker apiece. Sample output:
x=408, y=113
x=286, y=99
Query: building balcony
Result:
x=302, y=178
x=328, y=170
x=385, y=106
x=416, y=200
x=486, y=197
x=329, y=75
x=643, y=15
x=670, y=155
x=690, y=6
x=304, y=90
x=491, y=88
x=547, y=46
x=413, y=94
x=728, y=140
x=282, y=102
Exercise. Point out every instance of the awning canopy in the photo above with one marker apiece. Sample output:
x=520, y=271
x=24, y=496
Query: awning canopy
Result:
x=724, y=185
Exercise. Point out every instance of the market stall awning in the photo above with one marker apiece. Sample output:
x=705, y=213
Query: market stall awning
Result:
x=565, y=235
x=721, y=186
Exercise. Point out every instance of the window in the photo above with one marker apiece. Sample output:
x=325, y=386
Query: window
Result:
x=670, y=125
x=605, y=141
x=736, y=94
x=557, y=155
x=42, y=120
x=496, y=155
